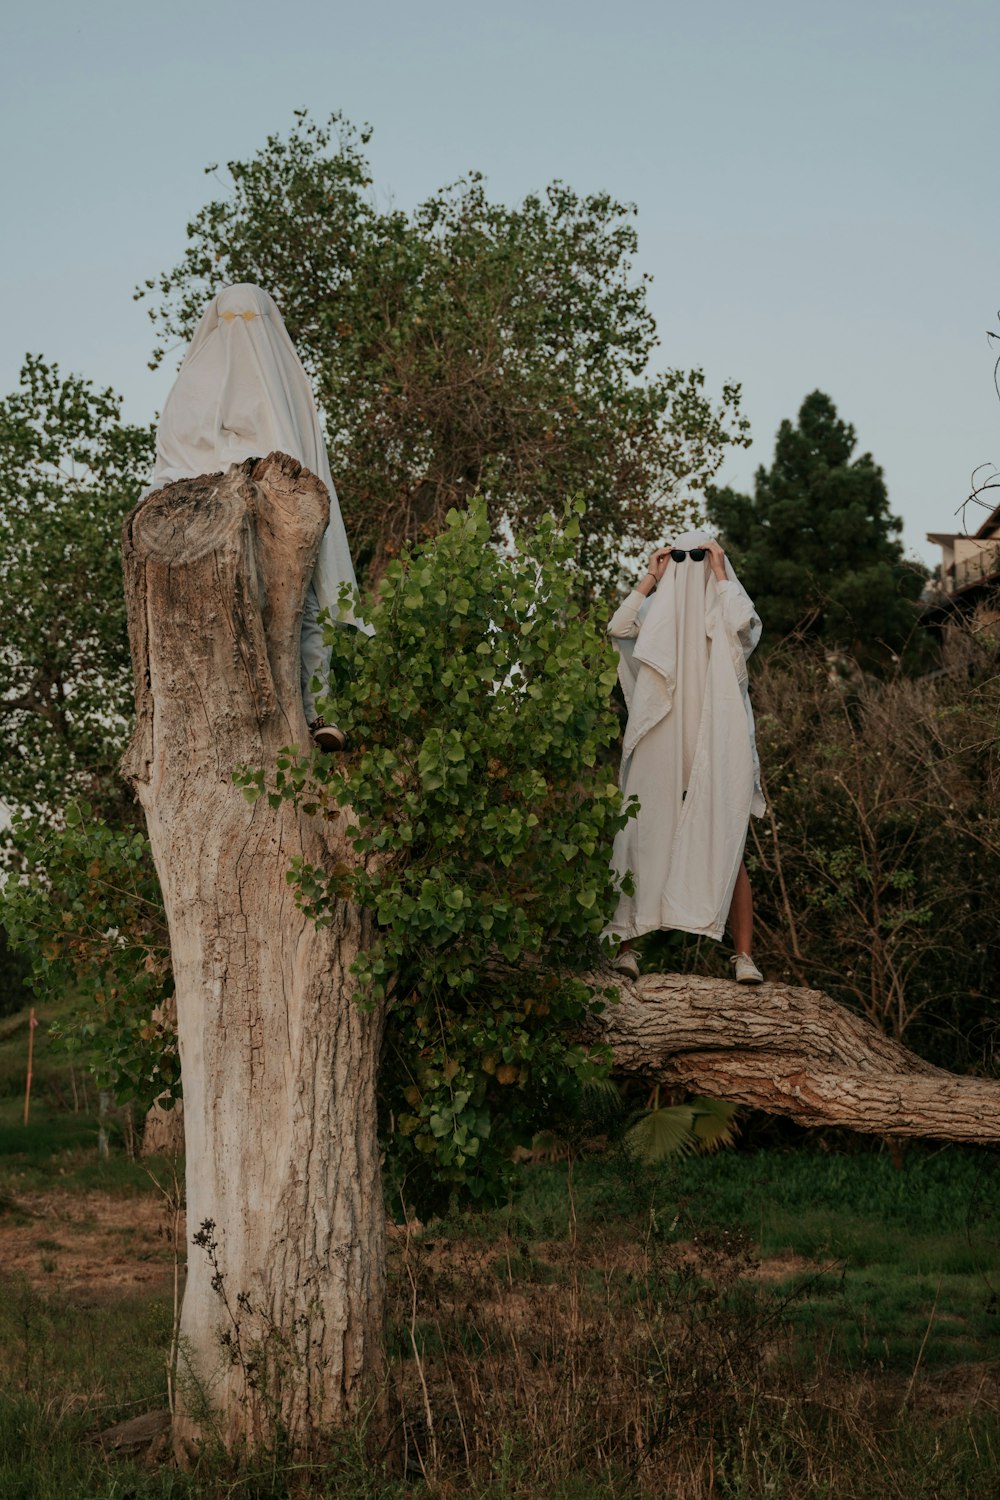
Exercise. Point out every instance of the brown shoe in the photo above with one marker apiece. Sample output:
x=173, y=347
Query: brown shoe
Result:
x=327, y=737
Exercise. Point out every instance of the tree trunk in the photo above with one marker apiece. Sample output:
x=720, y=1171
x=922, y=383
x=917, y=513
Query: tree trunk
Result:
x=163, y=1129
x=791, y=1052
x=281, y=1319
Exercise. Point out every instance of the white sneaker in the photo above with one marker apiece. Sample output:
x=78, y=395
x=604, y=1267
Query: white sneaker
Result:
x=747, y=971
x=626, y=962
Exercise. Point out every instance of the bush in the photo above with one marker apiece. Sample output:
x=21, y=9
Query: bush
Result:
x=483, y=826
x=875, y=872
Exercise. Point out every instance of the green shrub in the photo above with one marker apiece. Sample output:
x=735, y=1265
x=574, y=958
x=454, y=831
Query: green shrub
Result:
x=483, y=826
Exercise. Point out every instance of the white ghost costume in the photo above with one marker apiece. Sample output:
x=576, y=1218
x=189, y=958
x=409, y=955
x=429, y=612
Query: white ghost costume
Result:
x=689, y=752
x=242, y=392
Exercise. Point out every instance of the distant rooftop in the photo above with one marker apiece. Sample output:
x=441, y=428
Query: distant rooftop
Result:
x=970, y=561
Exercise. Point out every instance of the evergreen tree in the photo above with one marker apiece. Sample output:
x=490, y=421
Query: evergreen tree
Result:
x=817, y=546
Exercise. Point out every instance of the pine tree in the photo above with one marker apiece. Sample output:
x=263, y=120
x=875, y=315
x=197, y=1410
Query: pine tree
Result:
x=817, y=546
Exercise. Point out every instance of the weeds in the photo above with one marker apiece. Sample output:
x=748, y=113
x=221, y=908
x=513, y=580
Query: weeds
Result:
x=646, y=1350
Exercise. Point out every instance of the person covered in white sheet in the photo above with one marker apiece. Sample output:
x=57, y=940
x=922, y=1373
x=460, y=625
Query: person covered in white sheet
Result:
x=242, y=392
x=689, y=755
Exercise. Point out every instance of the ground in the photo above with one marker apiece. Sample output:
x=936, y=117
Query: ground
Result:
x=797, y=1316
x=88, y=1244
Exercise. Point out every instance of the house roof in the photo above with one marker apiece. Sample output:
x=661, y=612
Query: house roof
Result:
x=989, y=529
x=991, y=525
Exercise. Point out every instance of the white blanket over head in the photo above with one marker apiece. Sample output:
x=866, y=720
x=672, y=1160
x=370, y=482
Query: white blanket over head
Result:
x=242, y=392
x=689, y=753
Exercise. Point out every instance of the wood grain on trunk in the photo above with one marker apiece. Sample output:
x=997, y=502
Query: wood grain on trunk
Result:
x=791, y=1052
x=281, y=1321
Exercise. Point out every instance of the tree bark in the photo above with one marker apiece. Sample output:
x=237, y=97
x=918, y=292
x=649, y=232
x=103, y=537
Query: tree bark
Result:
x=791, y=1052
x=163, y=1129
x=281, y=1318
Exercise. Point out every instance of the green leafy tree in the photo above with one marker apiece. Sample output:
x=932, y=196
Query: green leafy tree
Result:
x=87, y=911
x=15, y=991
x=484, y=818
x=81, y=904
x=817, y=546
x=70, y=470
x=465, y=348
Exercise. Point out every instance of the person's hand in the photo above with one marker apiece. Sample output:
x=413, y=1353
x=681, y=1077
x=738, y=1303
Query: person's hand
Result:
x=717, y=558
x=657, y=564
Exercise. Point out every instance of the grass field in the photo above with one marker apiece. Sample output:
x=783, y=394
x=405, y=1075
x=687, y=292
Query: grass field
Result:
x=780, y=1322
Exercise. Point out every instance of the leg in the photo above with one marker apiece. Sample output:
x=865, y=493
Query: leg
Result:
x=315, y=664
x=741, y=913
x=625, y=960
x=315, y=657
x=741, y=930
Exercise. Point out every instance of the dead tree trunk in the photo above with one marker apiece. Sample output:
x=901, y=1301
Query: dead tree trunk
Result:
x=791, y=1052
x=281, y=1320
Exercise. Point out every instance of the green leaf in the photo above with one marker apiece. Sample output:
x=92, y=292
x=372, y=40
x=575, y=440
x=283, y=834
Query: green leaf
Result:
x=662, y=1133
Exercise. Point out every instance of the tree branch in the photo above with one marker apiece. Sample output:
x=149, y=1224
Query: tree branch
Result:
x=791, y=1052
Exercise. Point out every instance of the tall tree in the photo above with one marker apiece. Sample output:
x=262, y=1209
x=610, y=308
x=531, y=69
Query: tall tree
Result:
x=466, y=347
x=86, y=911
x=70, y=471
x=817, y=545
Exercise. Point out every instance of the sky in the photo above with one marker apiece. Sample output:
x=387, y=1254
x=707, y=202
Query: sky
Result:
x=815, y=184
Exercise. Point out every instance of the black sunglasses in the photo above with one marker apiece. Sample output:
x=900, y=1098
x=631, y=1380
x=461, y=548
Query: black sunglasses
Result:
x=694, y=553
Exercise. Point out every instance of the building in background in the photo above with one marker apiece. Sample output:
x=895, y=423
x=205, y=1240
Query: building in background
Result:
x=970, y=570
x=970, y=562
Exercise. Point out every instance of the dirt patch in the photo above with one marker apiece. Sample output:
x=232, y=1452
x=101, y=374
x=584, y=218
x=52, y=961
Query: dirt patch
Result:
x=89, y=1242
x=960, y=1388
x=776, y=1268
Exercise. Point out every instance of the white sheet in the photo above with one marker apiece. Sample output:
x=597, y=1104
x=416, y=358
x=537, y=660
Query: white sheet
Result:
x=242, y=392
x=689, y=751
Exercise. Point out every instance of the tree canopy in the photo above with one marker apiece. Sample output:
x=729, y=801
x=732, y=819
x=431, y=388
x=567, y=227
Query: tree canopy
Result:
x=71, y=470
x=817, y=546
x=467, y=347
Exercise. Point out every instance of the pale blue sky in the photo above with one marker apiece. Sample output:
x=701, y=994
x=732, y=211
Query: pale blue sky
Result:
x=816, y=184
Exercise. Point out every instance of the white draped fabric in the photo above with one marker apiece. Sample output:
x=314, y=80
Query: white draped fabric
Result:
x=689, y=752
x=242, y=392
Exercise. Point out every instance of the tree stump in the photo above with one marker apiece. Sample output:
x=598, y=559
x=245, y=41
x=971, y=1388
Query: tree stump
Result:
x=282, y=1313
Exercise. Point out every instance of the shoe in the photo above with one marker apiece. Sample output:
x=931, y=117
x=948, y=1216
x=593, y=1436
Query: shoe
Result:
x=327, y=737
x=747, y=971
x=626, y=962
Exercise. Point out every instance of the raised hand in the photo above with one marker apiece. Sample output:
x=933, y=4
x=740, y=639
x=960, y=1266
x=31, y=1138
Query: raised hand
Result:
x=656, y=567
x=717, y=558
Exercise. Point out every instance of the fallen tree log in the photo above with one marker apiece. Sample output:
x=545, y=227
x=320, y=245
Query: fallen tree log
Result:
x=791, y=1052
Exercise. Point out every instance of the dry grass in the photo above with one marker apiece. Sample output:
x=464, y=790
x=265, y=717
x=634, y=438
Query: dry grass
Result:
x=650, y=1368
